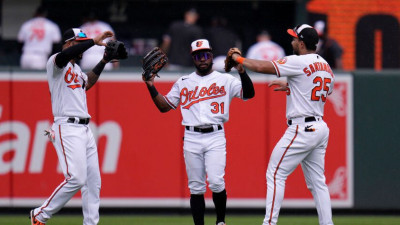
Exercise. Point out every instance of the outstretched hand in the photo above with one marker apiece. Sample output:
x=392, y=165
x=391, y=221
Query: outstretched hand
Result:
x=98, y=40
x=282, y=85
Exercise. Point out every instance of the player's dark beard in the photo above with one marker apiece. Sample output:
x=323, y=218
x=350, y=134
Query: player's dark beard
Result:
x=204, y=71
x=296, y=52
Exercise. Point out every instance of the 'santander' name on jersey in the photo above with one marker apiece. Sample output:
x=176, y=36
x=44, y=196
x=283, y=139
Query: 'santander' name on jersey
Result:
x=194, y=96
x=317, y=66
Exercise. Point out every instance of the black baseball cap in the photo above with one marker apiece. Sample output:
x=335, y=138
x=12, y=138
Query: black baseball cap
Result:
x=75, y=34
x=305, y=33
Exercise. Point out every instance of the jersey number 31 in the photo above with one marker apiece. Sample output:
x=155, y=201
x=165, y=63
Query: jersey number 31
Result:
x=321, y=90
x=216, y=107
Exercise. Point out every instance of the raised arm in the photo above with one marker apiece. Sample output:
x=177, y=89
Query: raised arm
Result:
x=72, y=52
x=247, y=84
x=158, y=99
x=258, y=66
x=94, y=74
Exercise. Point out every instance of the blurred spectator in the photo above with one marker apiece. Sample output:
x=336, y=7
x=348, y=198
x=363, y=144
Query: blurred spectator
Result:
x=222, y=39
x=265, y=49
x=177, y=39
x=93, y=27
x=38, y=36
x=327, y=47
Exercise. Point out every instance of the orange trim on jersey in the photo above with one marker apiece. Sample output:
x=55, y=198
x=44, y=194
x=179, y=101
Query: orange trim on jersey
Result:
x=202, y=99
x=73, y=86
x=276, y=171
x=276, y=69
x=170, y=103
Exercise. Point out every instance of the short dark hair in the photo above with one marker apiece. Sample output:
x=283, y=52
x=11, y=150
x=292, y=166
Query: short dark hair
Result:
x=310, y=46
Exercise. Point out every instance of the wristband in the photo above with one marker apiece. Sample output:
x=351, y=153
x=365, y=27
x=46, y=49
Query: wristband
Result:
x=99, y=68
x=153, y=91
x=240, y=59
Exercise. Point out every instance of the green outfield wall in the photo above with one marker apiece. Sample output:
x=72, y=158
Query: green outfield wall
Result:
x=376, y=140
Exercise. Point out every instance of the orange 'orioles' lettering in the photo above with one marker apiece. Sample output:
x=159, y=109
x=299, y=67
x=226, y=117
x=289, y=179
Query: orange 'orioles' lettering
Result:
x=70, y=76
x=192, y=97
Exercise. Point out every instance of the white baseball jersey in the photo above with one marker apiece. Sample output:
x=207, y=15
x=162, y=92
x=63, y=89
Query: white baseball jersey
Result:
x=93, y=55
x=38, y=35
x=68, y=89
x=74, y=143
x=310, y=80
x=204, y=100
x=265, y=50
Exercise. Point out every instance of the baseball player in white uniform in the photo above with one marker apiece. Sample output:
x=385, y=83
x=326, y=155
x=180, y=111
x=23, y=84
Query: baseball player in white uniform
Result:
x=72, y=138
x=38, y=35
x=265, y=49
x=204, y=97
x=92, y=56
x=309, y=82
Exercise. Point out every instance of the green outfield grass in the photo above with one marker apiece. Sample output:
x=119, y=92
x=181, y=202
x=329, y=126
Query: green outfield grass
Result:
x=210, y=220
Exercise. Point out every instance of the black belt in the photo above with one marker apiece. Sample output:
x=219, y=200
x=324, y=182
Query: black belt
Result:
x=307, y=119
x=204, y=129
x=81, y=120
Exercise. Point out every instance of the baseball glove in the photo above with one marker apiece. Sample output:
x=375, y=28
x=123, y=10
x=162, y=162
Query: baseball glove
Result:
x=229, y=62
x=153, y=62
x=115, y=50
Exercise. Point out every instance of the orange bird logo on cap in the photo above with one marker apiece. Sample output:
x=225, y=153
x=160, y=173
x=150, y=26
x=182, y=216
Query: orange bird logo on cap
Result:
x=199, y=43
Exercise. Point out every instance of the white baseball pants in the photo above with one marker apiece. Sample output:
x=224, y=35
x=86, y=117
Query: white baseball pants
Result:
x=205, y=155
x=77, y=154
x=298, y=146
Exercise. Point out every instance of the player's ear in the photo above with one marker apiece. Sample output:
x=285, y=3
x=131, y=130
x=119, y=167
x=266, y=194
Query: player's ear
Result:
x=302, y=44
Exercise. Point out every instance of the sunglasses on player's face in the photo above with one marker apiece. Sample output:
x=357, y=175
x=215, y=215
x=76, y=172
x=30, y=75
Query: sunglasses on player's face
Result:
x=199, y=56
x=81, y=35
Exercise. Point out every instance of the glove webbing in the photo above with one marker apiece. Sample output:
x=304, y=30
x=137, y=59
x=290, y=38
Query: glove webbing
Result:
x=154, y=62
x=149, y=56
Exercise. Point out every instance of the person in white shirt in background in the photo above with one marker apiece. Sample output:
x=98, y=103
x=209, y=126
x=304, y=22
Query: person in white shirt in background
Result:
x=265, y=49
x=93, y=27
x=38, y=35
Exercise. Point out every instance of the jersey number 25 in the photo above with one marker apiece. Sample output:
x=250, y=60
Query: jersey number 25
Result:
x=321, y=90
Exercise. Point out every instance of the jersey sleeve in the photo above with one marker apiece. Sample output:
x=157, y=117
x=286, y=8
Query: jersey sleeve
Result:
x=288, y=66
x=173, y=96
x=51, y=65
x=235, y=87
